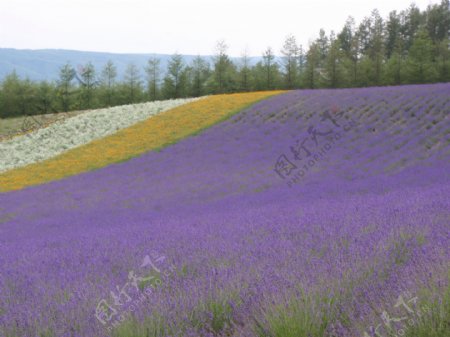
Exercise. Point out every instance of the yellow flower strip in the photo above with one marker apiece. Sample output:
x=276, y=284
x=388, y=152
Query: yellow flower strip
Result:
x=156, y=132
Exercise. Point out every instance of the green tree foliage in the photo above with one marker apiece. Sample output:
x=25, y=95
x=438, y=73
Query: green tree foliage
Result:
x=376, y=47
x=421, y=68
x=45, y=98
x=290, y=60
x=132, y=86
x=392, y=34
x=438, y=21
x=11, y=100
x=270, y=68
x=258, y=75
x=245, y=73
x=412, y=19
x=200, y=72
x=333, y=63
x=153, y=72
x=301, y=65
x=312, y=65
x=394, y=69
x=409, y=46
x=108, y=82
x=65, y=87
x=225, y=71
x=175, y=81
x=443, y=60
x=87, y=85
x=349, y=42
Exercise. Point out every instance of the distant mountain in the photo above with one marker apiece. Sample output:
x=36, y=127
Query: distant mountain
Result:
x=44, y=64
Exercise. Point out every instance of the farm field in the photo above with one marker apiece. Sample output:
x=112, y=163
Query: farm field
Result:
x=43, y=138
x=281, y=214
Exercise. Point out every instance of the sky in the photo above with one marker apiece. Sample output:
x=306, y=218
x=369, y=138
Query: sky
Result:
x=186, y=27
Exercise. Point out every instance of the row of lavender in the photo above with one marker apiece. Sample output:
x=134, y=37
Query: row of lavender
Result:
x=326, y=205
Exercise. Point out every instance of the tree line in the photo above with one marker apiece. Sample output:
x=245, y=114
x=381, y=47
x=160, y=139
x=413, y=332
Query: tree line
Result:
x=407, y=47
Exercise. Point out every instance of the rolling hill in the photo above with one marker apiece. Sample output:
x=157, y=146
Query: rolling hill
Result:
x=45, y=64
x=308, y=213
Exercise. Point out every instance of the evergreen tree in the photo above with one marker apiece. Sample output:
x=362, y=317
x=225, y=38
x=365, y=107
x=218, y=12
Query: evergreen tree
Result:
x=323, y=46
x=200, y=75
x=290, y=54
x=412, y=20
x=224, y=74
x=443, y=60
x=11, y=96
x=421, y=68
x=301, y=65
x=132, y=84
x=65, y=86
x=259, y=76
x=244, y=72
x=376, y=52
x=394, y=70
x=312, y=63
x=270, y=68
x=349, y=43
x=175, y=80
x=153, y=73
x=333, y=65
x=393, y=34
x=438, y=21
x=45, y=97
x=345, y=37
x=109, y=75
x=87, y=81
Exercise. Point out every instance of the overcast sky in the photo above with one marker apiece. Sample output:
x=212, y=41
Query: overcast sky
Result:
x=168, y=26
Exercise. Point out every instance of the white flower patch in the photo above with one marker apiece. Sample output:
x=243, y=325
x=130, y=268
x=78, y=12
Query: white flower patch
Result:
x=59, y=137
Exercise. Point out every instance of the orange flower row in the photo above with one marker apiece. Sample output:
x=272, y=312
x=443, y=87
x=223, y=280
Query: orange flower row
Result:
x=154, y=133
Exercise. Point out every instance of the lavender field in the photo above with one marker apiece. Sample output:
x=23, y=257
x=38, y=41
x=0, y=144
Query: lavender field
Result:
x=311, y=213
